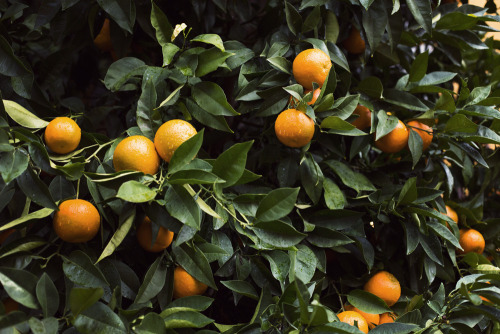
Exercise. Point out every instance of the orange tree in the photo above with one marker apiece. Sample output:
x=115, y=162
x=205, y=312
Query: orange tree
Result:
x=224, y=221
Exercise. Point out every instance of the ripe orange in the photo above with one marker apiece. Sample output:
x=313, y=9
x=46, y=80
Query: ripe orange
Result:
x=10, y=305
x=354, y=43
x=386, y=318
x=294, y=128
x=385, y=286
x=145, y=236
x=424, y=131
x=471, y=241
x=136, y=153
x=294, y=102
x=103, y=40
x=394, y=141
x=62, y=135
x=311, y=65
x=76, y=221
x=354, y=319
x=452, y=214
x=186, y=285
x=365, y=117
x=171, y=135
x=371, y=319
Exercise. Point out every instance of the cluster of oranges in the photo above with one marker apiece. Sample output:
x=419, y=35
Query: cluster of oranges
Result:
x=79, y=221
x=471, y=240
x=383, y=285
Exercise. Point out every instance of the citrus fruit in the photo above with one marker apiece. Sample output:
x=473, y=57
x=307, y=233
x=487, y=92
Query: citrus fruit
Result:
x=103, y=40
x=394, y=141
x=424, y=131
x=471, y=241
x=365, y=117
x=386, y=318
x=294, y=102
x=186, y=285
x=354, y=43
x=452, y=214
x=171, y=135
x=76, y=221
x=371, y=319
x=145, y=236
x=136, y=153
x=294, y=128
x=354, y=319
x=10, y=305
x=385, y=286
x=311, y=65
x=62, y=135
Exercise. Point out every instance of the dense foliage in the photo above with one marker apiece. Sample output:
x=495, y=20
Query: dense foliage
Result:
x=283, y=237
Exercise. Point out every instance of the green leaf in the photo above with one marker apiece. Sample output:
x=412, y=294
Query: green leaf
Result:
x=367, y=302
x=457, y=21
x=279, y=263
x=415, y=144
x=404, y=99
x=230, y=165
x=341, y=127
x=35, y=189
x=386, y=123
x=81, y=299
x=418, y=68
x=276, y=204
x=151, y=324
x=212, y=98
x=153, y=281
x=281, y=64
x=293, y=18
x=241, y=287
x=186, y=152
x=22, y=116
x=354, y=180
x=210, y=60
x=460, y=123
x=181, y=205
x=304, y=263
x=198, y=303
x=395, y=328
x=25, y=244
x=79, y=269
x=278, y=234
x=47, y=295
x=11, y=65
x=331, y=27
x=169, y=51
x=311, y=177
x=40, y=214
x=334, y=198
x=20, y=285
x=371, y=86
x=202, y=116
x=99, y=318
x=477, y=95
x=135, y=192
x=444, y=232
x=118, y=236
x=121, y=11
x=13, y=164
x=375, y=20
x=121, y=71
x=421, y=11
x=48, y=325
x=213, y=39
x=162, y=27
x=148, y=119
x=409, y=192
x=186, y=319
x=195, y=263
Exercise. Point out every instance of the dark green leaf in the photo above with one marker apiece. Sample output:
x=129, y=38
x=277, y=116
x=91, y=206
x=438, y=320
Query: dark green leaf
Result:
x=181, y=205
x=153, y=281
x=419, y=67
x=47, y=295
x=278, y=234
x=230, y=165
x=212, y=98
x=276, y=204
x=99, y=318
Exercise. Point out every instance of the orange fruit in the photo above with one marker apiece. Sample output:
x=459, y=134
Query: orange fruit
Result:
x=294, y=102
x=76, y=221
x=354, y=319
x=385, y=286
x=371, y=319
x=103, y=40
x=471, y=241
x=10, y=305
x=386, y=318
x=62, y=135
x=145, y=236
x=365, y=117
x=171, y=135
x=5, y=234
x=311, y=65
x=394, y=141
x=294, y=128
x=136, y=153
x=452, y=214
x=424, y=131
x=186, y=285
x=354, y=43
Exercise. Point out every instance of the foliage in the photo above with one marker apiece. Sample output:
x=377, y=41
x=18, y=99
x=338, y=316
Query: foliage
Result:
x=283, y=237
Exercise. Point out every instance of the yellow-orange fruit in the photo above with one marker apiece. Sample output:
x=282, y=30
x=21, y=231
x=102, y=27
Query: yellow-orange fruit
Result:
x=394, y=141
x=354, y=319
x=171, y=135
x=424, y=131
x=186, y=285
x=311, y=65
x=76, y=221
x=145, y=237
x=385, y=286
x=471, y=241
x=136, y=153
x=294, y=128
x=62, y=135
x=371, y=319
x=354, y=43
x=364, y=120
x=103, y=40
x=387, y=318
